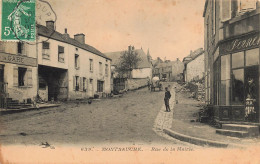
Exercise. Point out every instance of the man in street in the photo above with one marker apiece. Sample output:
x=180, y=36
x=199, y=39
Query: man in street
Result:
x=166, y=99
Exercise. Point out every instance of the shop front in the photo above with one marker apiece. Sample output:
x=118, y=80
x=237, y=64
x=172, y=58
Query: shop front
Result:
x=236, y=79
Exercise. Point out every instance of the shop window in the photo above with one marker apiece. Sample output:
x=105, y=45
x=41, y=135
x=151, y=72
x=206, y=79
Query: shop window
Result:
x=100, y=85
x=91, y=65
x=61, y=54
x=21, y=76
x=252, y=57
x=45, y=50
x=238, y=60
x=238, y=87
x=20, y=47
x=76, y=61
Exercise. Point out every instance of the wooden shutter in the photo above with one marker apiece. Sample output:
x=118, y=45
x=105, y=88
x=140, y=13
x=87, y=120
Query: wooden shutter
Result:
x=86, y=84
x=15, y=77
x=225, y=8
x=74, y=83
x=29, y=77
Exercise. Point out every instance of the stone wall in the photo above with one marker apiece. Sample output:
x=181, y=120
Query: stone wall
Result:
x=136, y=83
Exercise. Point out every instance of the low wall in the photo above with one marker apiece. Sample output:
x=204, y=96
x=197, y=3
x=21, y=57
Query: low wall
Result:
x=136, y=83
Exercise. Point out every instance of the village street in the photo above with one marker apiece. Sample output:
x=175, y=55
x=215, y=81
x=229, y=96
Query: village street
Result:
x=128, y=119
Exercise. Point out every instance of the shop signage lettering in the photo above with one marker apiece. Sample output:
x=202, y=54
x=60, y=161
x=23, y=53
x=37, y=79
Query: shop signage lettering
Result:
x=16, y=59
x=241, y=44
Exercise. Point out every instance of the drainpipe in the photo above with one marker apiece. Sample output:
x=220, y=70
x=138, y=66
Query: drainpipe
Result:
x=37, y=64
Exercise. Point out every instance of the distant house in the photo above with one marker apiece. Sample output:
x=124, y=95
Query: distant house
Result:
x=144, y=66
x=138, y=75
x=169, y=70
x=194, y=65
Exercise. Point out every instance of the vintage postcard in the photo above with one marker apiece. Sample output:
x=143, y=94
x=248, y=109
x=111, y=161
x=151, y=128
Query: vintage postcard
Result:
x=129, y=81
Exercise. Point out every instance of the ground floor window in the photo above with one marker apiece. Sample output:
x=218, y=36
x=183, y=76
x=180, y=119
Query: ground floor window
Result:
x=21, y=76
x=84, y=84
x=100, y=85
x=76, y=83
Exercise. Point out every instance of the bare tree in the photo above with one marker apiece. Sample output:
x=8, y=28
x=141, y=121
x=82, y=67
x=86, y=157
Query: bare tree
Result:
x=129, y=60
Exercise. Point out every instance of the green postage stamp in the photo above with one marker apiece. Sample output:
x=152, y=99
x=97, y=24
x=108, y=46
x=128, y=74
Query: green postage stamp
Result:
x=18, y=20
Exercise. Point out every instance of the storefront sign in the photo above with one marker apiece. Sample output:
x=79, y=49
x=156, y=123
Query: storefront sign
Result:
x=18, y=59
x=240, y=44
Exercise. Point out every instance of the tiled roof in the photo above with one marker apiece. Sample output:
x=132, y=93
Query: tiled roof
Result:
x=49, y=33
x=115, y=56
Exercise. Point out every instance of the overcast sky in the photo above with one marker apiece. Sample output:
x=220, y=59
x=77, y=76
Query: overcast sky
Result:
x=169, y=28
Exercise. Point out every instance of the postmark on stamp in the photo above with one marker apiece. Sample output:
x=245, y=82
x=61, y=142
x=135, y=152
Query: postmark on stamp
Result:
x=18, y=20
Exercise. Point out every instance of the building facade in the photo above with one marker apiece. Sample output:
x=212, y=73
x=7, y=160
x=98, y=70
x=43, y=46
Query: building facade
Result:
x=169, y=70
x=194, y=68
x=232, y=59
x=57, y=67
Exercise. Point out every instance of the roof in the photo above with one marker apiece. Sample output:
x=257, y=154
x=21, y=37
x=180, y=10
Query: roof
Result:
x=195, y=56
x=49, y=33
x=115, y=56
x=166, y=64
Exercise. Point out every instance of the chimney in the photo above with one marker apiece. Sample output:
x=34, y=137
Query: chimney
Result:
x=50, y=24
x=66, y=35
x=80, y=38
x=129, y=48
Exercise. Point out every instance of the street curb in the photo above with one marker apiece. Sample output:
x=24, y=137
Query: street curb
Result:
x=10, y=111
x=194, y=140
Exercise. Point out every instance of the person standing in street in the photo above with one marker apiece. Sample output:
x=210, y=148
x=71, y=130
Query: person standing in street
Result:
x=167, y=98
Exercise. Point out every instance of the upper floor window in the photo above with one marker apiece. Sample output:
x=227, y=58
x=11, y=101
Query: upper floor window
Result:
x=106, y=70
x=20, y=48
x=61, y=54
x=100, y=68
x=91, y=65
x=45, y=50
x=76, y=61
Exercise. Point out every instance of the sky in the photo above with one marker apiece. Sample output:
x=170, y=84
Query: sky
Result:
x=169, y=28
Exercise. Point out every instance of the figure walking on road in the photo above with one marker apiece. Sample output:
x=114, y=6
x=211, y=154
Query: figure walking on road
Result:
x=167, y=98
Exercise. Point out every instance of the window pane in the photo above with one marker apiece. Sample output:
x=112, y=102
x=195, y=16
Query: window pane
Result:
x=225, y=67
x=252, y=57
x=238, y=60
x=225, y=92
x=238, y=87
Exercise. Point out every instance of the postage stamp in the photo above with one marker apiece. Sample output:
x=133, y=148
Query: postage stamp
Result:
x=18, y=20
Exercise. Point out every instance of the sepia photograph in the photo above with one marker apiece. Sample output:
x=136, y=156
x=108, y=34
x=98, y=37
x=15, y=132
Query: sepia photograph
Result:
x=129, y=81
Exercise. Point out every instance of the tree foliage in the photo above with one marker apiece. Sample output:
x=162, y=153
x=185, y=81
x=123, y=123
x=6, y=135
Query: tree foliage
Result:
x=128, y=61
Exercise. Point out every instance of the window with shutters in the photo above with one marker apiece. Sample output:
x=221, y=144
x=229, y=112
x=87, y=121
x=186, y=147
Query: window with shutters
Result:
x=100, y=68
x=100, y=85
x=76, y=61
x=84, y=84
x=45, y=50
x=76, y=83
x=91, y=65
x=225, y=10
x=106, y=70
x=21, y=76
x=61, y=54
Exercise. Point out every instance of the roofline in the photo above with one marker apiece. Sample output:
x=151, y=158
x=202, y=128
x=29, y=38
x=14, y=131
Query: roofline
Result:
x=196, y=56
x=72, y=44
x=205, y=8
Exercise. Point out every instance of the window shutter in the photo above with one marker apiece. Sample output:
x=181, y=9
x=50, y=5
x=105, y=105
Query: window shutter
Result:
x=74, y=83
x=15, y=77
x=246, y=5
x=225, y=6
x=29, y=77
x=81, y=84
x=86, y=84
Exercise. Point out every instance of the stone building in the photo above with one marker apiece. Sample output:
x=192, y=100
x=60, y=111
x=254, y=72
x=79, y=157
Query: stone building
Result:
x=67, y=68
x=231, y=46
x=194, y=66
x=169, y=70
